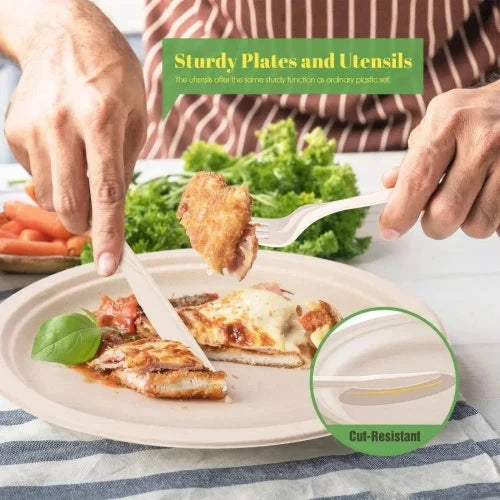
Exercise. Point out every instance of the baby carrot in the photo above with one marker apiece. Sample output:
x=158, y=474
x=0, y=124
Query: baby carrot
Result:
x=32, y=217
x=75, y=244
x=7, y=234
x=3, y=219
x=33, y=235
x=13, y=226
x=29, y=189
x=32, y=248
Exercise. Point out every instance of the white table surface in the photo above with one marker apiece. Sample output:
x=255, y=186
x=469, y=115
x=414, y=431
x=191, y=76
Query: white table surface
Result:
x=459, y=278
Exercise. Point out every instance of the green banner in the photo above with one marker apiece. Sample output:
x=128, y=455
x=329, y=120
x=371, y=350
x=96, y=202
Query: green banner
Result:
x=291, y=66
x=384, y=440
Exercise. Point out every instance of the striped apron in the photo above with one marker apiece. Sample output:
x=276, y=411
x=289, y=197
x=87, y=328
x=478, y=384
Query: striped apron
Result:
x=461, y=47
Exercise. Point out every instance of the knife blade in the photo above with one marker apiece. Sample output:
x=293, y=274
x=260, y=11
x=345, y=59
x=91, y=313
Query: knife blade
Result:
x=378, y=381
x=157, y=308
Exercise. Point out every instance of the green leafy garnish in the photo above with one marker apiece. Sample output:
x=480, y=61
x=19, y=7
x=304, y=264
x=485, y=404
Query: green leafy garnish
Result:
x=70, y=339
x=279, y=178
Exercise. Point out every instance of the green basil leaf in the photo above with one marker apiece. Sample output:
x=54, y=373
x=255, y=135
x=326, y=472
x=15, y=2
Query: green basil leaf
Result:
x=91, y=315
x=69, y=339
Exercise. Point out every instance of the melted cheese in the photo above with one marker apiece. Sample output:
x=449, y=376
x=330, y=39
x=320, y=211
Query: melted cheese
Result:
x=267, y=320
x=319, y=334
x=295, y=335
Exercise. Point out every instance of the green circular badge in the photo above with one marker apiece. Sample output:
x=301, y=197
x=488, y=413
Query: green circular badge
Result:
x=384, y=381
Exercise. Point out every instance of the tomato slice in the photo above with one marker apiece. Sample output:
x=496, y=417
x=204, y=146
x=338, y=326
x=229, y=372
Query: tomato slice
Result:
x=120, y=313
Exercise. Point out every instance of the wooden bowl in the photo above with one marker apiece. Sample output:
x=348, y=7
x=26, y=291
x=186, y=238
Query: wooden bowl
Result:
x=36, y=265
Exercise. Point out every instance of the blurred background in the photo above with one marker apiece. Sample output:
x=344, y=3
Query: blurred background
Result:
x=125, y=14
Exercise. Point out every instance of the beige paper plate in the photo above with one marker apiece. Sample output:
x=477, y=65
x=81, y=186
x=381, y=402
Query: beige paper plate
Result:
x=268, y=405
x=36, y=265
x=396, y=343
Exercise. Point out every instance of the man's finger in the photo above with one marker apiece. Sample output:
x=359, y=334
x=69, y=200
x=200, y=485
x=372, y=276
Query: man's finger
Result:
x=135, y=137
x=104, y=147
x=70, y=191
x=42, y=177
x=419, y=175
x=16, y=135
x=484, y=218
x=390, y=177
x=452, y=201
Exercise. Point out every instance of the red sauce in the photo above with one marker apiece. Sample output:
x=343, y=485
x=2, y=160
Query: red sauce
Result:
x=120, y=313
x=94, y=376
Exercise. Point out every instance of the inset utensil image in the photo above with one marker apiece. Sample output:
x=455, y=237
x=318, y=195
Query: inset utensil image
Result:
x=379, y=381
x=355, y=396
x=385, y=369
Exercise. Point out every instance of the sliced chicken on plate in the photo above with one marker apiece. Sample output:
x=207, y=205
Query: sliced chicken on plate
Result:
x=162, y=369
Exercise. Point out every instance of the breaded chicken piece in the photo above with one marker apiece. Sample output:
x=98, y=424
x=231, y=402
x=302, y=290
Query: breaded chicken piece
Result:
x=175, y=384
x=146, y=356
x=217, y=221
x=162, y=369
x=319, y=319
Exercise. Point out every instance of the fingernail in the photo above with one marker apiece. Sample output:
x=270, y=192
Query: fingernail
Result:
x=106, y=264
x=389, y=234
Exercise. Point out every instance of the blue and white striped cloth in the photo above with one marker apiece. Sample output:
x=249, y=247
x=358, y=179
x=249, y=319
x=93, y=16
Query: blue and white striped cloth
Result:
x=40, y=460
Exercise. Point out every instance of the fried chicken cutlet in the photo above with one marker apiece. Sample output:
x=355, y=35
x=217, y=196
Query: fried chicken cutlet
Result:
x=161, y=369
x=217, y=221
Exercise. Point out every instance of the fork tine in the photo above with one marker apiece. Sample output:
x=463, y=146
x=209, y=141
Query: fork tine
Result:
x=259, y=221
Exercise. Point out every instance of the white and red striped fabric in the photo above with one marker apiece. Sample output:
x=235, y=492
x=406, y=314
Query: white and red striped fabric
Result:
x=462, y=45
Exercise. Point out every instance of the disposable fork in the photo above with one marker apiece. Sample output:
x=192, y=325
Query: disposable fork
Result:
x=285, y=230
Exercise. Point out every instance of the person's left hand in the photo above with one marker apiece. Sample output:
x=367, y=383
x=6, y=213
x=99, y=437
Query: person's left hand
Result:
x=77, y=121
x=452, y=169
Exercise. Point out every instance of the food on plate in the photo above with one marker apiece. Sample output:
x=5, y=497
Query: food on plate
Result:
x=162, y=369
x=193, y=300
x=117, y=344
x=27, y=230
x=217, y=221
x=181, y=384
x=256, y=326
x=69, y=339
x=156, y=368
x=147, y=356
x=317, y=318
x=280, y=179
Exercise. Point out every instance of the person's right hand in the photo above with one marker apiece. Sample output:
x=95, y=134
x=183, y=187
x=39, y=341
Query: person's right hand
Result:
x=77, y=121
x=451, y=172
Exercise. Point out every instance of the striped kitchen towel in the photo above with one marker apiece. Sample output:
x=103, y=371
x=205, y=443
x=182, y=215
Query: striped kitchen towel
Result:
x=39, y=460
